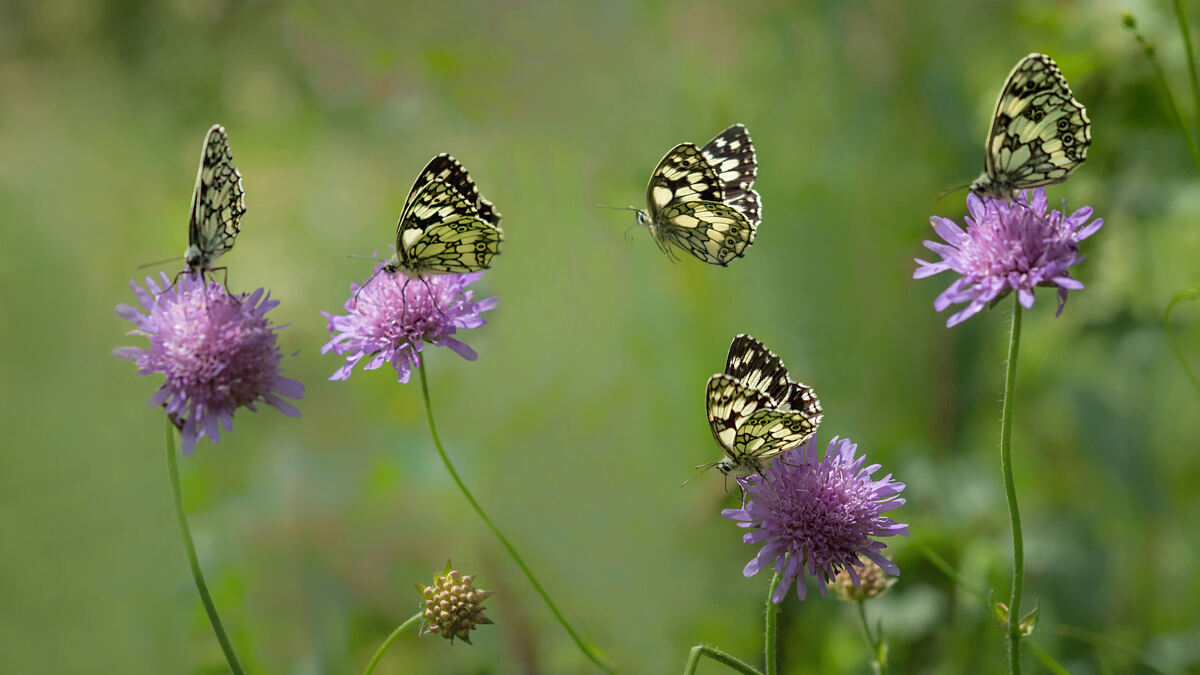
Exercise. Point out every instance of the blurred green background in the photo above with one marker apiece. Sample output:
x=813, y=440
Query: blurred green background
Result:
x=585, y=409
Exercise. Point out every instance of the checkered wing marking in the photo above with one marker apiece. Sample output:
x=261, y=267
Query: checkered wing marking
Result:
x=729, y=405
x=713, y=232
x=770, y=432
x=449, y=170
x=756, y=367
x=683, y=175
x=732, y=156
x=441, y=232
x=1039, y=133
x=218, y=201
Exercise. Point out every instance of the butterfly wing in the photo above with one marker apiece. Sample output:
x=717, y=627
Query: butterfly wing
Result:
x=442, y=232
x=445, y=168
x=1039, y=133
x=713, y=232
x=732, y=156
x=756, y=367
x=770, y=432
x=682, y=175
x=729, y=404
x=218, y=202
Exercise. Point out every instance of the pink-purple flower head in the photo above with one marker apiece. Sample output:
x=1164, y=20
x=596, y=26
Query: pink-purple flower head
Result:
x=815, y=517
x=217, y=351
x=1008, y=246
x=393, y=316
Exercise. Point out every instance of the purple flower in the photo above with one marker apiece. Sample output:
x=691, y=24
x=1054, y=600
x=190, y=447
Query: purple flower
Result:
x=392, y=316
x=217, y=352
x=818, y=514
x=1007, y=246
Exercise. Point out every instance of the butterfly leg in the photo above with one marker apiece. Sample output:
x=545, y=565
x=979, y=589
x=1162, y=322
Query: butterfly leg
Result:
x=432, y=298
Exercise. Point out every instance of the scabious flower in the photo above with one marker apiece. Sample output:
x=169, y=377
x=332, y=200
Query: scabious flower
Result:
x=452, y=606
x=1008, y=246
x=217, y=352
x=818, y=515
x=392, y=316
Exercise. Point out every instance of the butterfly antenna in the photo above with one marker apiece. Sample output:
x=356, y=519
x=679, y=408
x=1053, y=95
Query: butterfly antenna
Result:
x=617, y=208
x=956, y=188
x=702, y=468
x=159, y=262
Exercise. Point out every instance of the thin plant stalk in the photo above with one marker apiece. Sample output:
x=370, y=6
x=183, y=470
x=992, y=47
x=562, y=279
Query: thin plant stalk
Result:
x=193, y=562
x=388, y=642
x=1010, y=491
x=770, y=629
x=1181, y=15
x=878, y=665
x=720, y=657
x=1172, y=106
x=588, y=650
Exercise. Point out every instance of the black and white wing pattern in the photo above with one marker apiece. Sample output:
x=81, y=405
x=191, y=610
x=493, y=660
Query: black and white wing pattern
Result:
x=442, y=232
x=218, y=203
x=1039, y=133
x=755, y=410
x=445, y=168
x=732, y=156
x=701, y=199
x=682, y=175
x=757, y=367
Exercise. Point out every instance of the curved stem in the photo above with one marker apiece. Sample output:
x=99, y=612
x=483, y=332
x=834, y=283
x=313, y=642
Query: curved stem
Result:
x=770, y=629
x=193, y=562
x=588, y=650
x=388, y=642
x=1010, y=491
x=718, y=656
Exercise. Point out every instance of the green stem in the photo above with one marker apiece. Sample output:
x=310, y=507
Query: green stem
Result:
x=1181, y=14
x=770, y=629
x=718, y=656
x=588, y=650
x=1010, y=491
x=877, y=664
x=388, y=642
x=193, y=562
x=1172, y=106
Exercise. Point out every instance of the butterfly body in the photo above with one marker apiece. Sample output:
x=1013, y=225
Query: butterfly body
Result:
x=1039, y=133
x=218, y=203
x=755, y=410
x=702, y=200
x=446, y=226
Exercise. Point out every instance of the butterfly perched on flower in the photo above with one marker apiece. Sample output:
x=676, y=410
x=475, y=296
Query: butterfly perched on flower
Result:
x=218, y=203
x=702, y=200
x=446, y=226
x=1039, y=132
x=755, y=410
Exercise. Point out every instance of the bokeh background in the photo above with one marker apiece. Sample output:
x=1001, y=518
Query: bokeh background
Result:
x=584, y=411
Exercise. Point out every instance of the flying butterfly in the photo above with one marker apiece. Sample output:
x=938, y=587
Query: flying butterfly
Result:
x=702, y=200
x=446, y=226
x=755, y=410
x=218, y=203
x=1039, y=132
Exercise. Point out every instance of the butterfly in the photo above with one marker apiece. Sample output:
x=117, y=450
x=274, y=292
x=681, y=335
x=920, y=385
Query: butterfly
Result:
x=446, y=226
x=702, y=200
x=218, y=203
x=755, y=410
x=1039, y=132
